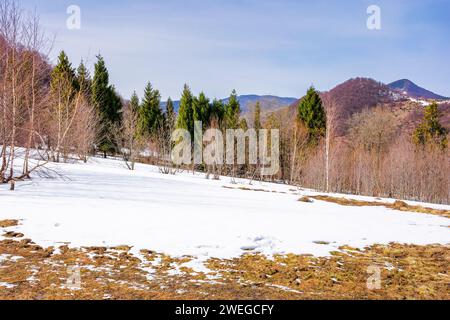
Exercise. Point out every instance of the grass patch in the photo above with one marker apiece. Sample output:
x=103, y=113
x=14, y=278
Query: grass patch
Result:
x=8, y=223
x=305, y=199
x=397, y=205
x=407, y=272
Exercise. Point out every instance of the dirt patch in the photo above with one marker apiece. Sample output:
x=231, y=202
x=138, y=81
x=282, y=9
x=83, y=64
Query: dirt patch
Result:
x=397, y=205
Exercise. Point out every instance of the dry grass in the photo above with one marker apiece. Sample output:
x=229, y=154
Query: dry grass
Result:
x=397, y=205
x=407, y=272
x=305, y=199
x=8, y=223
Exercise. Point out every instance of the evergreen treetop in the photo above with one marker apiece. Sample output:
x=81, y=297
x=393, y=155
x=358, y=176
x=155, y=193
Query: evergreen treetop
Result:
x=232, y=111
x=201, y=109
x=150, y=113
x=185, y=112
x=312, y=113
x=100, y=83
x=84, y=78
x=63, y=72
x=108, y=103
x=134, y=102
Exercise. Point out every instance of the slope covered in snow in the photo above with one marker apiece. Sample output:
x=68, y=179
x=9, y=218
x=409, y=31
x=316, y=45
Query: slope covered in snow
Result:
x=103, y=204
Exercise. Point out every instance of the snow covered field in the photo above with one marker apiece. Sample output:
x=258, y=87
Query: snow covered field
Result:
x=103, y=204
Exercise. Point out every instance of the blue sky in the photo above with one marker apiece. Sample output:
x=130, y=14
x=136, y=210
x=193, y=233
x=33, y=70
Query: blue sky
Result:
x=275, y=47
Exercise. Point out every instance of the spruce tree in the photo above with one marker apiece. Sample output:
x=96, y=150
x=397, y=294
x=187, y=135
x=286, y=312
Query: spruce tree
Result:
x=185, y=112
x=430, y=129
x=232, y=111
x=150, y=113
x=312, y=114
x=84, y=79
x=201, y=109
x=100, y=84
x=134, y=102
x=114, y=106
x=62, y=74
x=217, y=111
x=108, y=104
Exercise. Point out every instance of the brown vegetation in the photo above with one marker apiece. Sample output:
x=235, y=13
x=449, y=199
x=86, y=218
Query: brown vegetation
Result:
x=28, y=271
x=397, y=205
x=8, y=223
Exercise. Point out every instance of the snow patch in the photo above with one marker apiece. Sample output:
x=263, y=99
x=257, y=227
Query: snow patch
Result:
x=103, y=204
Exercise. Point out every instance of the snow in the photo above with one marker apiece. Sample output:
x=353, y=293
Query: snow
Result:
x=424, y=103
x=101, y=203
x=7, y=285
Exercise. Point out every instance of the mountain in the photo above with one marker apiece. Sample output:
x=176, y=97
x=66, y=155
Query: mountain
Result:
x=176, y=105
x=350, y=97
x=354, y=95
x=268, y=103
x=412, y=90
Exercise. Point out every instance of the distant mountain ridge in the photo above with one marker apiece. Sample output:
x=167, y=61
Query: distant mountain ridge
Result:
x=269, y=103
x=412, y=90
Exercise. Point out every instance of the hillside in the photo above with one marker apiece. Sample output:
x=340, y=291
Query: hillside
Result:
x=350, y=97
x=354, y=95
x=409, y=88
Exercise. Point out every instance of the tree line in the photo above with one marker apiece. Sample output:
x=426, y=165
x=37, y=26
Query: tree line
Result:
x=58, y=113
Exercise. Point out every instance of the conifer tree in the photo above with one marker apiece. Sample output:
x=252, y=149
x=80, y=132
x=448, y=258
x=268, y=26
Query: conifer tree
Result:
x=84, y=79
x=108, y=104
x=63, y=73
x=185, y=112
x=134, y=102
x=431, y=130
x=312, y=114
x=100, y=84
x=217, y=111
x=150, y=113
x=114, y=105
x=201, y=109
x=232, y=111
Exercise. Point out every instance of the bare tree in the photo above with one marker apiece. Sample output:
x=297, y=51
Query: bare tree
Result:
x=63, y=111
x=331, y=114
x=85, y=128
x=11, y=31
x=128, y=137
x=163, y=142
x=23, y=88
x=36, y=43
